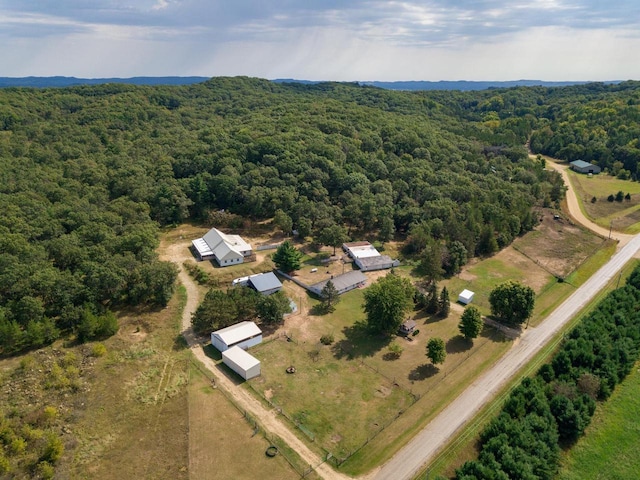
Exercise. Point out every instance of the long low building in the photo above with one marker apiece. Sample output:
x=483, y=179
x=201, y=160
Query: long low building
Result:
x=241, y=362
x=367, y=257
x=343, y=283
x=244, y=335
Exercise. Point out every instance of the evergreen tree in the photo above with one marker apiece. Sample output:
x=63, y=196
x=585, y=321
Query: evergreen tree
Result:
x=287, y=257
x=444, y=305
x=329, y=296
x=433, y=303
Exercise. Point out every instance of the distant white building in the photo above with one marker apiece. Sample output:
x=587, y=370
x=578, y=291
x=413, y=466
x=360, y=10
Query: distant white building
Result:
x=243, y=335
x=466, y=297
x=241, y=362
x=367, y=257
x=226, y=249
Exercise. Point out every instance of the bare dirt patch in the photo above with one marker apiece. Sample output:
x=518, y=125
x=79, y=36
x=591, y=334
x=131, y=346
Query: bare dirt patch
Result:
x=558, y=245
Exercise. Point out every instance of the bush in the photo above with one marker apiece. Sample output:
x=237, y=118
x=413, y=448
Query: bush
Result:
x=327, y=339
x=98, y=350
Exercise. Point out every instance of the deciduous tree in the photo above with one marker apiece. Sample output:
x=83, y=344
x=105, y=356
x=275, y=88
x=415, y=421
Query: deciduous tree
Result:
x=512, y=303
x=386, y=303
x=272, y=308
x=436, y=350
x=470, y=324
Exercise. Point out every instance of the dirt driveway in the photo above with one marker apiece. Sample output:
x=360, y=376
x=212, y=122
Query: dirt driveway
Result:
x=269, y=419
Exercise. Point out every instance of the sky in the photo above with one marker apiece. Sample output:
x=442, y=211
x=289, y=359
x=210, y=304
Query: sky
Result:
x=341, y=40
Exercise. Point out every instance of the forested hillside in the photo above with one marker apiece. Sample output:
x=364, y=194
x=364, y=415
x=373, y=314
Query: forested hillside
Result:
x=88, y=174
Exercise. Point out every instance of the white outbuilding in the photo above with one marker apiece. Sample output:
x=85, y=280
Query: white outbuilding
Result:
x=241, y=362
x=244, y=335
x=466, y=297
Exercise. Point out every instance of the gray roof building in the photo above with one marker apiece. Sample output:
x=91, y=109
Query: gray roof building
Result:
x=265, y=283
x=343, y=283
x=584, y=167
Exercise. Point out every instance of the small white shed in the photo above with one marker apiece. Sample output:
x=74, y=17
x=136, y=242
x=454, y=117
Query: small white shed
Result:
x=466, y=297
x=243, y=334
x=241, y=362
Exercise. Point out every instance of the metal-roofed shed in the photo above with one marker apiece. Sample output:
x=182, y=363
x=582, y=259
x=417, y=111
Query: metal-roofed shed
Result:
x=265, y=283
x=241, y=362
x=244, y=334
x=343, y=283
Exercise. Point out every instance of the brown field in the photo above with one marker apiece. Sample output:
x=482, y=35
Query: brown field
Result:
x=558, y=246
x=222, y=443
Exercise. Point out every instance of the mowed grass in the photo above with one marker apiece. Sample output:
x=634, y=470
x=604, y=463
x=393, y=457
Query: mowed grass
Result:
x=609, y=449
x=624, y=215
x=337, y=403
x=222, y=443
x=343, y=394
x=483, y=276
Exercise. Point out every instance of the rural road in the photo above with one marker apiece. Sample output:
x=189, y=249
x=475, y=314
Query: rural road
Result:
x=268, y=418
x=423, y=447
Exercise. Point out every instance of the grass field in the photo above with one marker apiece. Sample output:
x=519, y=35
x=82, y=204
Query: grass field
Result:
x=624, y=216
x=120, y=406
x=609, y=449
x=136, y=420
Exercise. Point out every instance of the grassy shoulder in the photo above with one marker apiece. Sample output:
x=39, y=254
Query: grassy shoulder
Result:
x=609, y=448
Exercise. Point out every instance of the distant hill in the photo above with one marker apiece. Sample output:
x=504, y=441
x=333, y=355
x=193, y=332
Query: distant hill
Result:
x=46, y=82
x=462, y=85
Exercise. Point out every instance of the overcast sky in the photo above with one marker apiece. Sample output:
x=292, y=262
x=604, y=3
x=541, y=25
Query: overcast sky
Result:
x=323, y=40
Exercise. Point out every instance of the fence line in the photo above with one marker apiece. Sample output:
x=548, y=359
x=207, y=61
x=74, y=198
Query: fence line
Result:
x=257, y=428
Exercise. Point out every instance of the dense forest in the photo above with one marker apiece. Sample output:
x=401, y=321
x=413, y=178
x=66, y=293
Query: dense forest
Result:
x=89, y=174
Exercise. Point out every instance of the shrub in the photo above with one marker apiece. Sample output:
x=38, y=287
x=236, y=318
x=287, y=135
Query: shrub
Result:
x=327, y=339
x=98, y=350
x=395, y=349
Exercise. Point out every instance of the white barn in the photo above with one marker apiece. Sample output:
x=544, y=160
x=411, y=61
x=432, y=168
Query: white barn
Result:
x=226, y=249
x=466, y=297
x=244, y=335
x=241, y=362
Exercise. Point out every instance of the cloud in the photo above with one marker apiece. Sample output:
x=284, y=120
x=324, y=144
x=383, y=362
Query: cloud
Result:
x=329, y=39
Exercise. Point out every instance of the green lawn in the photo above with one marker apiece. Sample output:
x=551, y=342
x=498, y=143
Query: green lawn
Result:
x=609, y=449
x=485, y=275
x=624, y=216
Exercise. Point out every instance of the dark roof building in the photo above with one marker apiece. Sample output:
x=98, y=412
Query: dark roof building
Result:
x=343, y=283
x=584, y=167
x=265, y=283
